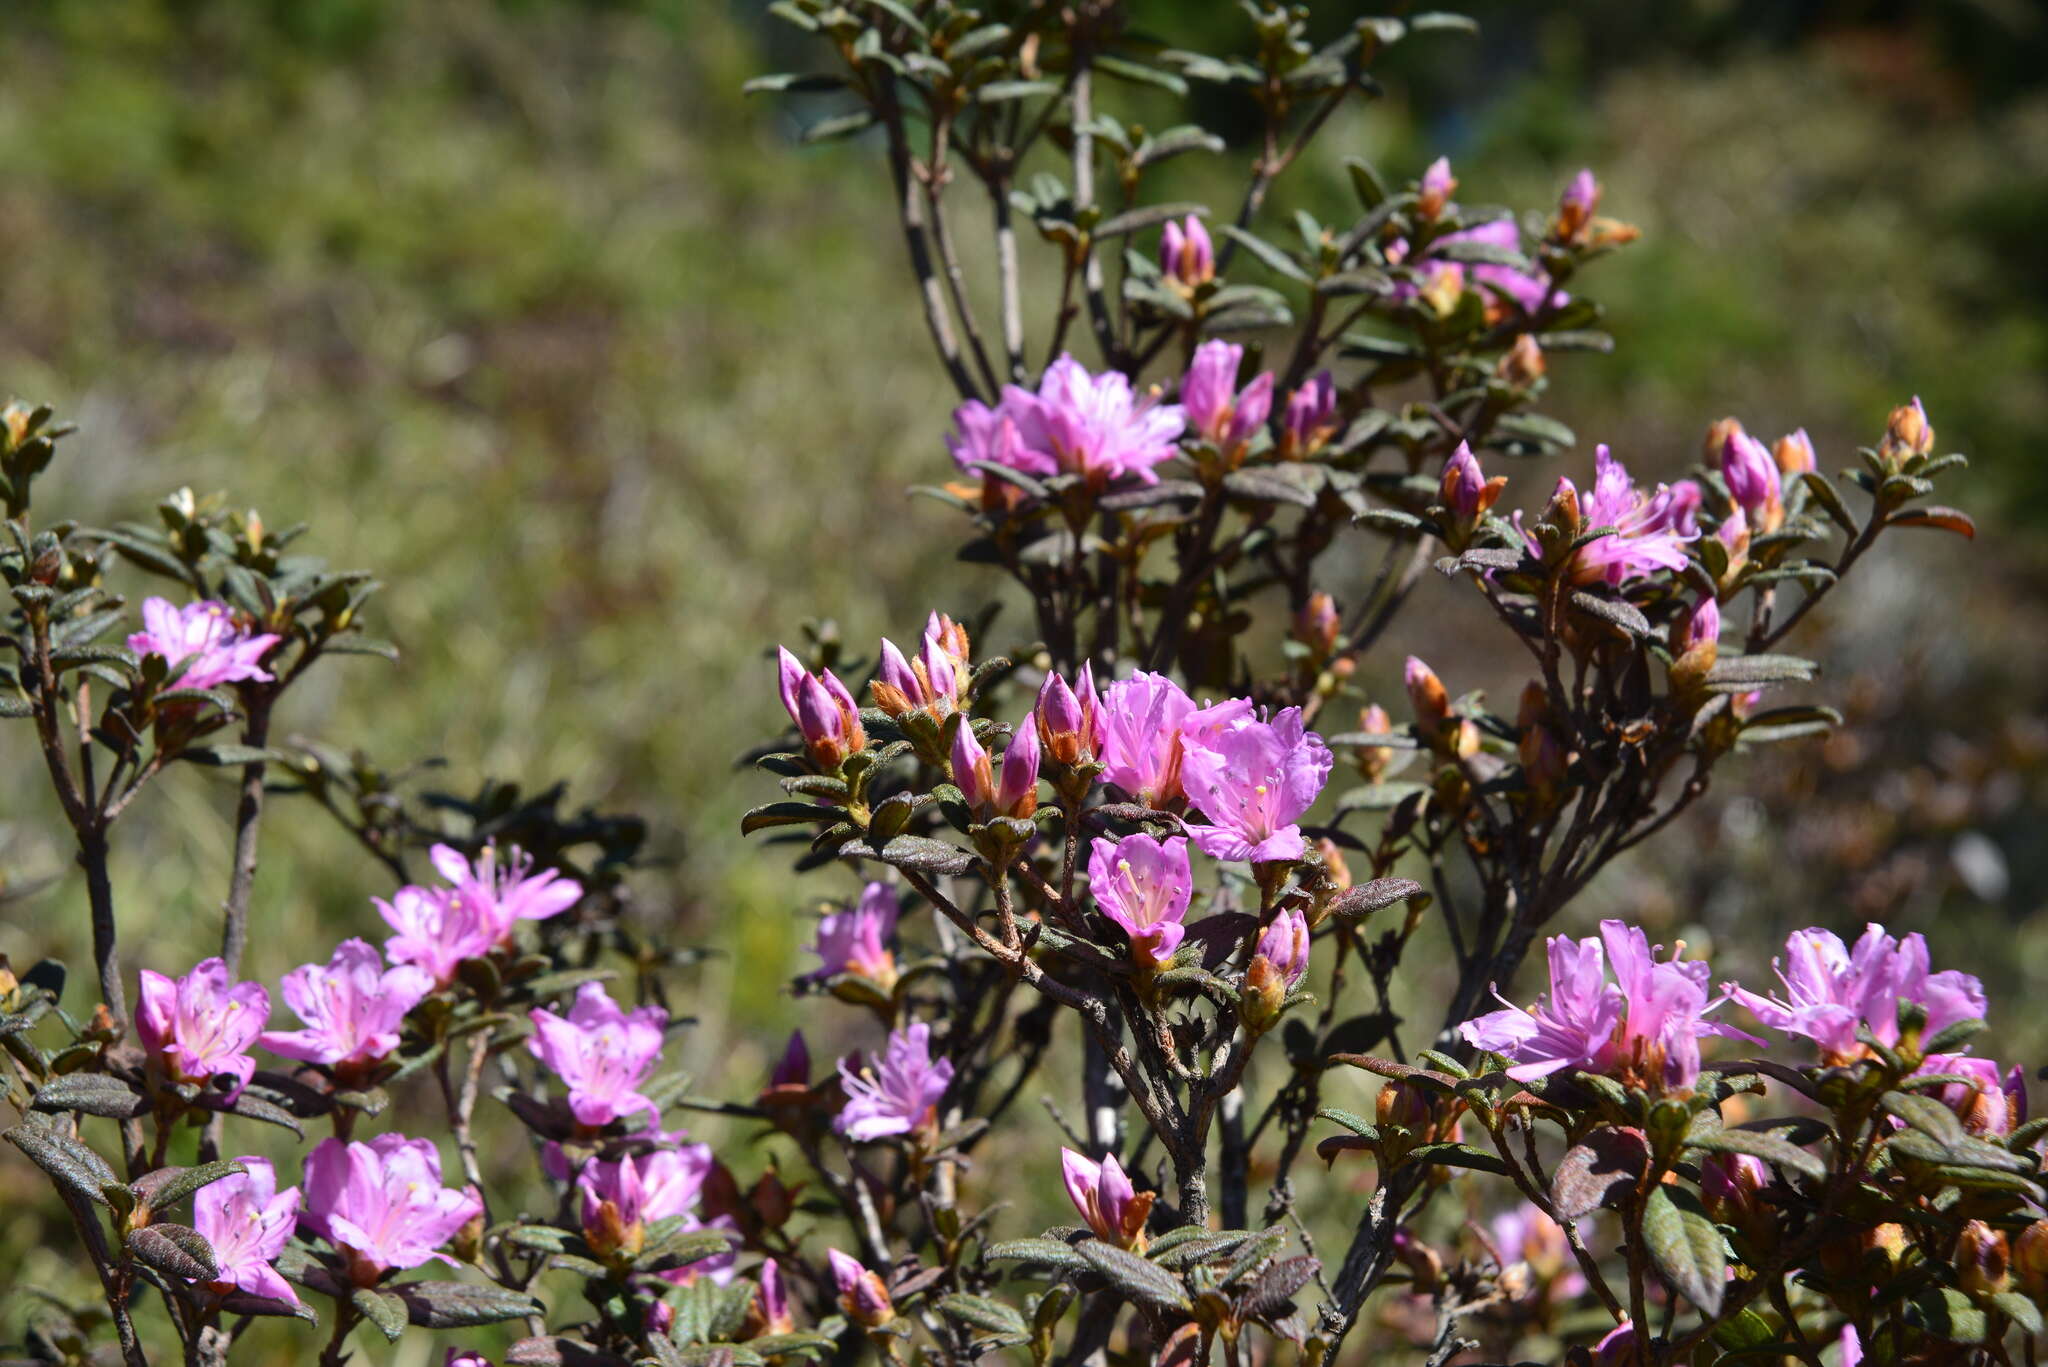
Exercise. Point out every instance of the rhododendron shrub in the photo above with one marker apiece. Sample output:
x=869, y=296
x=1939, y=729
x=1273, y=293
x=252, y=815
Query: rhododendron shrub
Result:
x=1162, y=853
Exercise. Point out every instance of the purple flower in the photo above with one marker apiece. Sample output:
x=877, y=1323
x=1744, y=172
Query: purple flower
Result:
x=601, y=1053
x=509, y=893
x=856, y=940
x=382, y=1203
x=465, y=1357
x=862, y=1293
x=654, y=1186
x=247, y=1220
x=1648, y=531
x=1464, y=488
x=1749, y=470
x=929, y=683
x=1252, y=780
x=1991, y=1103
x=1527, y=1236
x=1143, y=885
x=1528, y=288
x=990, y=436
x=896, y=1093
x=1310, y=419
x=1094, y=425
x=1701, y=626
x=1831, y=989
x=1103, y=1194
x=1017, y=786
x=772, y=1302
x=204, y=636
x=1617, y=1348
x=1285, y=945
x=437, y=929
x=1434, y=191
x=1186, y=256
x=824, y=712
x=352, y=1006
x=1644, y=1027
x=1217, y=411
x=200, y=1026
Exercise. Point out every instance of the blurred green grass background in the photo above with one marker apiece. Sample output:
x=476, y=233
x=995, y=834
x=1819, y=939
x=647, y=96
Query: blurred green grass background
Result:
x=523, y=306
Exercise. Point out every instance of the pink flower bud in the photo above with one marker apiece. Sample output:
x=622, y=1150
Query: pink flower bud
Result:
x=1017, y=794
x=1426, y=694
x=1069, y=720
x=1317, y=625
x=1751, y=473
x=661, y=1317
x=1106, y=1199
x=1285, y=945
x=1575, y=206
x=793, y=1069
x=1186, y=255
x=824, y=712
x=972, y=773
x=861, y=1293
x=1700, y=626
x=1435, y=191
x=1464, y=488
x=1310, y=420
x=772, y=1300
x=1794, y=454
x=1907, y=433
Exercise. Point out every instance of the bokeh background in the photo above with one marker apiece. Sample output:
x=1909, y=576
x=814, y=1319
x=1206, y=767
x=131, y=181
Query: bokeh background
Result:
x=526, y=308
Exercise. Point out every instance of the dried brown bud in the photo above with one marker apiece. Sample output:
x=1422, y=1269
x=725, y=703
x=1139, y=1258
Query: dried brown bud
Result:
x=1983, y=1260
x=1523, y=363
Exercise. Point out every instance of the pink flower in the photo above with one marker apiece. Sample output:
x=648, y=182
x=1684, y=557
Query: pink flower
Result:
x=1991, y=1103
x=1527, y=1236
x=1252, y=780
x=1527, y=288
x=1646, y=1025
x=1831, y=989
x=1094, y=425
x=1186, y=255
x=200, y=1026
x=247, y=1220
x=1217, y=411
x=1464, y=487
x=1285, y=945
x=1648, y=533
x=206, y=639
x=1750, y=472
x=824, y=712
x=862, y=1293
x=1310, y=419
x=1105, y=1198
x=352, y=1006
x=773, y=1299
x=990, y=436
x=382, y=1203
x=931, y=683
x=1852, y=1348
x=1143, y=885
x=507, y=893
x=465, y=1357
x=437, y=929
x=856, y=940
x=601, y=1053
x=1700, y=626
x=898, y=1092
x=1141, y=749
x=654, y=1186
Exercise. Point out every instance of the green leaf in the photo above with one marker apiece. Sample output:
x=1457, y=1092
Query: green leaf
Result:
x=93, y=1094
x=1926, y=1115
x=382, y=1309
x=1133, y=1276
x=164, y=1188
x=979, y=1312
x=174, y=1250
x=1365, y=182
x=460, y=1305
x=1949, y=1314
x=1687, y=1249
x=1457, y=1156
x=1269, y=255
x=70, y=1164
x=788, y=814
x=1132, y=220
x=1822, y=490
x=223, y=756
x=1769, y=1147
x=1049, y=1252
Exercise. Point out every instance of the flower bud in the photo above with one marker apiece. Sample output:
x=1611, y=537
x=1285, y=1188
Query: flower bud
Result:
x=1403, y=1106
x=971, y=771
x=1310, y=420
x=1983, y=1260
x=824, y=713
x=1562, y=512
x=2030, y=1260
x=951, y=638
x=1424, y=1263
x=1186, y=255
x=1435, y=191
x=1575, y=206
x=770, y=1312
x=1108, y=1202
x=1263, y=993
x=862, y=1294
x=1522, y=364
x=793, y=1069
x=1695, y=641
x=1750, y=472
x=1730, y=1187
x=1442, y=287
x=1464, y=490
x=1334, y=868
x=1544, y=760
x=661, y=1317
x=607, y=1231
x=1069, y=721
x=1718, y=433
x=1375, y=760
x=1317, y=626
x=1017, y=794
x=1285, y=944
x=1907, y=433
x=1426, y=695
x=1794, y=454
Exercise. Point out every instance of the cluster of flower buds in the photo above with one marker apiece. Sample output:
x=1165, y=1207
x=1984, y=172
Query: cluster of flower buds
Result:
x=1187, y=257
x=1576, y=225
x=1011, y=791
x=1309, y=419
x=1464, y=495
x=931, y=683
x=1068, y=718
x=824, y=712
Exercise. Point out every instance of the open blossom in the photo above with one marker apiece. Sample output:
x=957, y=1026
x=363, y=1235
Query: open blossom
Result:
x=1141, y=749
x=1992, y=1102
x=506, y=892
x=1645, y=1026
x=437, y=929
x=205, y=637
x=1095, y=426
x=990, y=436
x=824, y=712
x=200, y=1026
x=1252, y=780
x=620, y=1197
x=856, y=939
x=1830, y=989
x=383, y=1204
x=1649, y=529
x=896, y=1093
x=352, y=1007
x=601, y=1053
x=247, y=1220
x=1103, y=1194
x=1143, y=885
x=1217, y=410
